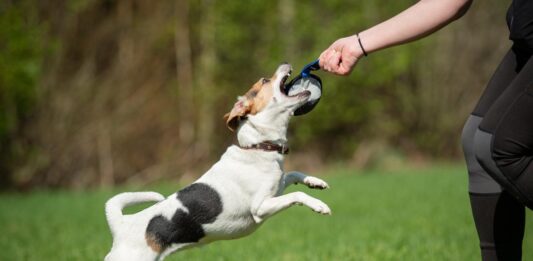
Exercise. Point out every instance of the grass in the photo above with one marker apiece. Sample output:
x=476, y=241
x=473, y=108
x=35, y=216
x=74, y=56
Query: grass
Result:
x=396, y=215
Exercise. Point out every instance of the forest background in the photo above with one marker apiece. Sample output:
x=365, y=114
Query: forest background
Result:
x=99, y=92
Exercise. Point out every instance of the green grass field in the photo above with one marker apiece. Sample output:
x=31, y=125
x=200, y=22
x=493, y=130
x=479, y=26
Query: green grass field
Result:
x=398, y=215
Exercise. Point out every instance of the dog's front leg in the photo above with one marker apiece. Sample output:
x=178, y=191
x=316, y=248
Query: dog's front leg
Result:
x=271, y=206
x=295, y=177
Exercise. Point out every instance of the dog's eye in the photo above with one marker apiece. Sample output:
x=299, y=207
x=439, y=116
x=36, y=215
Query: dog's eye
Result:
x=264, y=80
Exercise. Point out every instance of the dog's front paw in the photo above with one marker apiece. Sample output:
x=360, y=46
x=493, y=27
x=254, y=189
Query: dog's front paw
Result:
x=320, y=207
x=315, y=183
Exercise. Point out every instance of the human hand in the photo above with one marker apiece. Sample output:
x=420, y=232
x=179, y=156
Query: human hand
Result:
x=341, y=57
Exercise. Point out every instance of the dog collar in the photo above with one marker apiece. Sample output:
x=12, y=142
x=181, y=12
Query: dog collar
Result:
x=268, y=146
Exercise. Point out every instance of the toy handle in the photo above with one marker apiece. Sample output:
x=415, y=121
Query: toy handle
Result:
x=313, y=66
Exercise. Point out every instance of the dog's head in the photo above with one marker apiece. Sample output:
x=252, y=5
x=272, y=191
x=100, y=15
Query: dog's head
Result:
x=266, y=102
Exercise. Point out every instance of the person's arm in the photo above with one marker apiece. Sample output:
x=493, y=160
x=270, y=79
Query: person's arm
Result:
x=418, y=21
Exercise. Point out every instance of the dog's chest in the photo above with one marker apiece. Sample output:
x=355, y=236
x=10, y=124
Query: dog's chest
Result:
x=246, y=172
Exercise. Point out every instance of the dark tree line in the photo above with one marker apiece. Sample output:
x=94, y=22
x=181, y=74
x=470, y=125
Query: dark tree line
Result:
x=100, y=92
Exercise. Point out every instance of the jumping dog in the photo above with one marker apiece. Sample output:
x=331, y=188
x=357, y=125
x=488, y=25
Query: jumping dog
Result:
x=234, y=197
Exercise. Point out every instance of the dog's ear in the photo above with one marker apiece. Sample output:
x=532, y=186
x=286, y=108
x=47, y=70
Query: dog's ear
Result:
x=241, y=108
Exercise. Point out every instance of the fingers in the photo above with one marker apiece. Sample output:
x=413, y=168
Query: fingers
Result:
x=347, y=64
x=329, y=60
x=340, y=58
x=334, y=61
x=324, y=58
x=337, y=62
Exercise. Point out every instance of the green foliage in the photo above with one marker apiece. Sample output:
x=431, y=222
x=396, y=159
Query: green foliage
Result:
x=116, y=80
x=376, y=216
x=252, y=41
x=21, y=51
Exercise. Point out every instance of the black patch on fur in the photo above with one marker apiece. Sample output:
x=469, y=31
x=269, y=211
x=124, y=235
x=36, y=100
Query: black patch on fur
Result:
x=202, y=201
x=204, y=205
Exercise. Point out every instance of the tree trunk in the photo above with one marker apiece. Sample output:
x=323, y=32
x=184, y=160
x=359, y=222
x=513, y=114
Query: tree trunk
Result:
x=105, y=155
x=184, y=73
x=286, y=11
x=207, y=91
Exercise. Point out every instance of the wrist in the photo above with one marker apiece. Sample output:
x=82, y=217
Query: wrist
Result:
x=354, y=48
x=360, y=46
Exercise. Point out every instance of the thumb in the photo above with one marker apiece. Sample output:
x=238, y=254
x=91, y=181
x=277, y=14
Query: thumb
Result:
x=347, y=64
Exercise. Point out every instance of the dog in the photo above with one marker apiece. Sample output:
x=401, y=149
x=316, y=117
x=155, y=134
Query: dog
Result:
x=234, y=197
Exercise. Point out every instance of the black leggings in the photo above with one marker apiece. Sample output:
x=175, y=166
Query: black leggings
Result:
x=498, y=145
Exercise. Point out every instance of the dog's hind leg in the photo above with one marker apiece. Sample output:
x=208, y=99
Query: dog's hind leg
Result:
x=271, y=206
x=295, y=177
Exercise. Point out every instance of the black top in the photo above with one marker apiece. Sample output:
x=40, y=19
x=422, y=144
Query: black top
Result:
x=520, y=23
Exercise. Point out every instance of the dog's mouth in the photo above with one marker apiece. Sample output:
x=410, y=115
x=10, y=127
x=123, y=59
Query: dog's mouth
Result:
x=285, y=88
x=282, y=86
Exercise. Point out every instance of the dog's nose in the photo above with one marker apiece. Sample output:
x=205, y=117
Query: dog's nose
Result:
x=284, y=63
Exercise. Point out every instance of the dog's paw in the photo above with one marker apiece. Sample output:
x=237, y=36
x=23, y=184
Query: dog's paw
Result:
x=315, y=183
x=320, y=207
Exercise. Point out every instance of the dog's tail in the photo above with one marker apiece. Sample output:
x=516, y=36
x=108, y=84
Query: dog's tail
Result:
x=114, y=206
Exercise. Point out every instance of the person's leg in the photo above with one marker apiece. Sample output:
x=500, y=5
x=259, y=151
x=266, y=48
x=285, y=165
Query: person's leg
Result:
x=499, y=218
x=504, y=141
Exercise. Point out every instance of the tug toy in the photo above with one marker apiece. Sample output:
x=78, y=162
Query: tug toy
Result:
x=306, y=81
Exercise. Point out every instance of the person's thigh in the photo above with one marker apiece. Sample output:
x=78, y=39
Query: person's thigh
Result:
x=478, y=179
x=504, y=140
x=501, y=79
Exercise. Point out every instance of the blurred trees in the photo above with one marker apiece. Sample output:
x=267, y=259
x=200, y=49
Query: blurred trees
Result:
x=98, y=92
x=21, y=54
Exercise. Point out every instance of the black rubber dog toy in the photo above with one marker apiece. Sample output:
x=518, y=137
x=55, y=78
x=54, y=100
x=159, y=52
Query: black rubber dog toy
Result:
x=306, y=81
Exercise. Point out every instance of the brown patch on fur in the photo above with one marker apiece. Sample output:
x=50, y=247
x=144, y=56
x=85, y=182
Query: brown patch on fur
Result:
x=263, y=96
x=152, y=243
x=252, y=102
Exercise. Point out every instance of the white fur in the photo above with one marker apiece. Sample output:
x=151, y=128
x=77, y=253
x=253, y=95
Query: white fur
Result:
x=250, y=184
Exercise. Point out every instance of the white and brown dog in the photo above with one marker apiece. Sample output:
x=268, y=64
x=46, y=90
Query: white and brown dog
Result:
x=232, y=198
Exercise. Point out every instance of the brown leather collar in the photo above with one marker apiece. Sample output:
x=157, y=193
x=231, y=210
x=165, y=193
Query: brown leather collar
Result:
x=268, y=146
